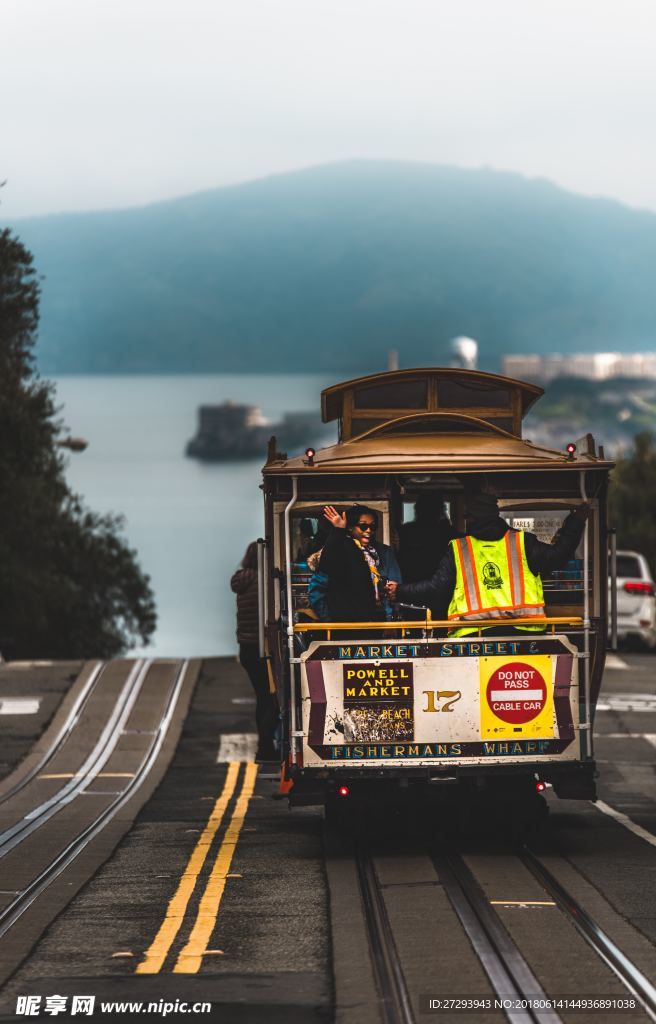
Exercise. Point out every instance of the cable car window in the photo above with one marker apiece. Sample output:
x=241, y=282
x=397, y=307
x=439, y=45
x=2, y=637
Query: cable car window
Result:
x=441, y=426
x=359, y=426
x=402, y=394
x=456, y=394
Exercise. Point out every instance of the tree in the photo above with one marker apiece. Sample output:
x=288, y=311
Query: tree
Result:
x=632, y=498
x=70, y=587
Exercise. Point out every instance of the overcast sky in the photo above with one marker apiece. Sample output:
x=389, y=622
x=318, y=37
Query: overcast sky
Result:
x=109, y=103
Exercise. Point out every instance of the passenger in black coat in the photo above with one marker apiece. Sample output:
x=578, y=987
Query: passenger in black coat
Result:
x=423, y=541
x=351, y=595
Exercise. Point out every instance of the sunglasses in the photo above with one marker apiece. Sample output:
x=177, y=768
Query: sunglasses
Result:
x=366, y=526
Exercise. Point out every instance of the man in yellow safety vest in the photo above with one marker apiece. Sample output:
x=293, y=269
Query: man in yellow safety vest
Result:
x=493, y=572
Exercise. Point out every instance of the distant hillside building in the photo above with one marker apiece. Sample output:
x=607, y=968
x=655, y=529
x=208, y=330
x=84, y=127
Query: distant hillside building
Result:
x=592, y=365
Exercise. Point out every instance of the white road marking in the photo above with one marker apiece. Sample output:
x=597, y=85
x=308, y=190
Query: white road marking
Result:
x=628, y=702
x=237, y=746
x=623, y=819
x=650, y=737
x=613, y=661
x=19, y=705
x=242, y=700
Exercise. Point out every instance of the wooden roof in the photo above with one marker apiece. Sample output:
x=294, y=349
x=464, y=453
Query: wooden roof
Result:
x=332, y=398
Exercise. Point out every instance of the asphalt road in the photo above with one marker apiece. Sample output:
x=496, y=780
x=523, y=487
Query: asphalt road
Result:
x=268, y=955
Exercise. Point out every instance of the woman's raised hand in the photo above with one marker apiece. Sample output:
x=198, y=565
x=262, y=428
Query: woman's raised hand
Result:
x=335, y=518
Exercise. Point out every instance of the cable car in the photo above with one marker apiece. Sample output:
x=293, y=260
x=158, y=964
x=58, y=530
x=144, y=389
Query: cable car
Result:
x=402, y=707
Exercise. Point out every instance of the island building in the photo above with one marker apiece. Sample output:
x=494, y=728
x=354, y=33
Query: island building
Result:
x=591, y=365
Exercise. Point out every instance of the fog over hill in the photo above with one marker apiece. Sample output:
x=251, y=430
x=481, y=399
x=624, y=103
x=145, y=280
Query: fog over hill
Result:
x=329, y=268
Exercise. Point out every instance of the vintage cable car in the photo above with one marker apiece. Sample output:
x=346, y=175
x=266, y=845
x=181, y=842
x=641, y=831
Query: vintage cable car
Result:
x=401, y=707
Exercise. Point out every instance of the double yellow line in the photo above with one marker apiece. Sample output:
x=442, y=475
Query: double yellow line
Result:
x=191, y=956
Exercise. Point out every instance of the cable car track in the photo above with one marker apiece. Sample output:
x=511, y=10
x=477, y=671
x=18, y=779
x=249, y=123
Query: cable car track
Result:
x=630, y=975
x=10, y=914
x=63, y=734
x=394, y=998
x=93, y=764
x=510, y=974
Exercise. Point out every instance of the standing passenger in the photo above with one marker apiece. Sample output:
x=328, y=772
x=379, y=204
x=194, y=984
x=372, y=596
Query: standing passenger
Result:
x=244, y=585
x=423, y=541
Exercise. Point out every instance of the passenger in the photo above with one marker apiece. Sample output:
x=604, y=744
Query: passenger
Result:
x=494, y=572
x=244, y=585
x=423, y=541
x=349, y=584
x=306, y=544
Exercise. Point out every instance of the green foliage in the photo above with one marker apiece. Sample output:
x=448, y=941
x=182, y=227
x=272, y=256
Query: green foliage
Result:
x=69, y=585
x=632, y=498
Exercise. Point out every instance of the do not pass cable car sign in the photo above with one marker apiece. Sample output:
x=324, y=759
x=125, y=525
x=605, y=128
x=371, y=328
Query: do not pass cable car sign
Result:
x=516, y=693
x=517, y=697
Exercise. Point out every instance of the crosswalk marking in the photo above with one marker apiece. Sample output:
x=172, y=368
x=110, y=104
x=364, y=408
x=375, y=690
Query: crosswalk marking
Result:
x=19, y=705
x=237, y=746
x=613, y=661
x=627, y=702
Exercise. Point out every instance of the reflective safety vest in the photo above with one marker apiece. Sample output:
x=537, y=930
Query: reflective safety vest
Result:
x=493, y=581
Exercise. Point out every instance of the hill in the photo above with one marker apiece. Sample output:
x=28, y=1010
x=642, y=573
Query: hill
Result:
x=329, y=268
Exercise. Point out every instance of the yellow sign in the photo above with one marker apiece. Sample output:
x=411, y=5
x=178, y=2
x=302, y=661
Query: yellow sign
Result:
x=517, y=697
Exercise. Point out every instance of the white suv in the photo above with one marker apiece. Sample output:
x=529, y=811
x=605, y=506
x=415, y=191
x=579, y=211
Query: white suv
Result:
x=636, y=599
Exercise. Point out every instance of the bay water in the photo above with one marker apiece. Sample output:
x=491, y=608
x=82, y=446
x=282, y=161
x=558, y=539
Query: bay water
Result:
x=189, y=521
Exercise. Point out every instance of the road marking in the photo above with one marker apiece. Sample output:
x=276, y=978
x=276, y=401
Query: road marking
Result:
x=177, y=908
x=522, y=903
x=190, y=958
x=237, y=746
x=624, y=819
x=243, y=700
x=649, y=736
x=19, y=705
x=613, y=661
x=640, y=702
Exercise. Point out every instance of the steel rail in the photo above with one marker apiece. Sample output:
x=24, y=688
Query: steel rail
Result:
x=67, y=727
x=24, y=899
x=394, y=997
x=94, y=763
x=631, y=977
x=509, y=973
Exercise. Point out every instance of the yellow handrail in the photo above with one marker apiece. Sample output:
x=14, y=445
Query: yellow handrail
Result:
x=308, y=627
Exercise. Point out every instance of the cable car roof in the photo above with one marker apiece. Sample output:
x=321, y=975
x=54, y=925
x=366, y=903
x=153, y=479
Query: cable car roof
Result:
x=435, y=442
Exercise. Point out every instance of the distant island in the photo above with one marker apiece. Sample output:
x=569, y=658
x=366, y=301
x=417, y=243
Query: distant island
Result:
x=231, y=430
x=335, y=265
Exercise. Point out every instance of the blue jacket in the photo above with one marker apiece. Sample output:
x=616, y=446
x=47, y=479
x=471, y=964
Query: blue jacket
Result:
x=318, y=585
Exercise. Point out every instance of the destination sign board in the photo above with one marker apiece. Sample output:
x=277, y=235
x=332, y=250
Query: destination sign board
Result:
x=428, y=706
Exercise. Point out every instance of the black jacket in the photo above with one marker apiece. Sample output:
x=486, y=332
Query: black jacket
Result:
x=244, y=585
x=350, y=595
x=437, y=591
x=422, y=546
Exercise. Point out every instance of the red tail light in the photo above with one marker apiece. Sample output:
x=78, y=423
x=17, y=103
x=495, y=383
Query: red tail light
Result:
x=639, y=588
x=540, y=786
x=343, y=791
